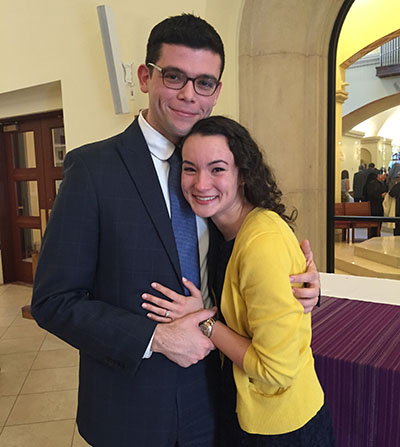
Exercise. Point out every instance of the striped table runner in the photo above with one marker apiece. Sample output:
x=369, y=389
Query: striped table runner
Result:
x=356, y=346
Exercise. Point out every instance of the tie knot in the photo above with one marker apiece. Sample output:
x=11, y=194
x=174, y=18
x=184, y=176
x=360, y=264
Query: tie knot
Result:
x=176, y=158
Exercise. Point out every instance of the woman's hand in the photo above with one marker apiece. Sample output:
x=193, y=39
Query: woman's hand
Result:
x=163, y=311
x=308, y=296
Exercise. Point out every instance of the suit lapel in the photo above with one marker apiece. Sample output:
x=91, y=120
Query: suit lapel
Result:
x=137, y=159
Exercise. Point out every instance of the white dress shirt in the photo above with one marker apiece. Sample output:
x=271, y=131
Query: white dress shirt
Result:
x=161, y=150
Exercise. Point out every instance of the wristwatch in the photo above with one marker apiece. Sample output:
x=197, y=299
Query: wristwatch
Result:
x=206, y=326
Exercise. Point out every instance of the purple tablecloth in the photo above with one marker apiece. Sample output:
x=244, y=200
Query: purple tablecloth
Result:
x=356, y=347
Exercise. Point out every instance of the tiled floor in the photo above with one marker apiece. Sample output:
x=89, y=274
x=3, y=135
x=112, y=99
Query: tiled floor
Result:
x=38, y=380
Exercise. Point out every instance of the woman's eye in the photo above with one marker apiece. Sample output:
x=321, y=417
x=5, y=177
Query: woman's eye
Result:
x=187, y=169
x=218, y=169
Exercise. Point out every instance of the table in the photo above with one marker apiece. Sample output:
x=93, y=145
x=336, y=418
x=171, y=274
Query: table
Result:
x=356, y=347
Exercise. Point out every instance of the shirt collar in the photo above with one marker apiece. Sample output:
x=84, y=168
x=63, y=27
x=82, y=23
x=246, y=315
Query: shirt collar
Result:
x=158, y=145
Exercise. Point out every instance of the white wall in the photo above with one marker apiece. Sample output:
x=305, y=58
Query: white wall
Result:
x=365, y=87
x=350, y=153
x=46, y=41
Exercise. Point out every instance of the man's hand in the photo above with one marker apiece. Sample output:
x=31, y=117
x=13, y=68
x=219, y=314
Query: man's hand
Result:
x=307, y=295
x=182, y=341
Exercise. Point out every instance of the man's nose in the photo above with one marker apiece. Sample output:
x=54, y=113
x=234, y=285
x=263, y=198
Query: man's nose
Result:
x=187, y=92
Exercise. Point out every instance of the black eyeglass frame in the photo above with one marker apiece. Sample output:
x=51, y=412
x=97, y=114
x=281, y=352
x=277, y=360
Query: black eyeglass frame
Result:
x=164, y=70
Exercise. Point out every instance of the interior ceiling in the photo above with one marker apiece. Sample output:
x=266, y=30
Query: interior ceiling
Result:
x=385, y=124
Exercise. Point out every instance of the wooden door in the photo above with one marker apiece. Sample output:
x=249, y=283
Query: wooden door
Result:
x=34, y=153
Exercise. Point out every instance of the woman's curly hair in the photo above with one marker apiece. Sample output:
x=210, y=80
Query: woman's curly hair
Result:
x=260, y=187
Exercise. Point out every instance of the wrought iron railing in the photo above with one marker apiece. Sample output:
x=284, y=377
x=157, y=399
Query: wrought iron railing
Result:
x=390, y=52
x=390, y=59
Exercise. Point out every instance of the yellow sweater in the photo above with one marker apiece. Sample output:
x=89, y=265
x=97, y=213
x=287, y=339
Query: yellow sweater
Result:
x=278, y=391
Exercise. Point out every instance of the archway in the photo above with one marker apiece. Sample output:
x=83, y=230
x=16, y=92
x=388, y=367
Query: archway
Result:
x=284, y=66
x=368, y=110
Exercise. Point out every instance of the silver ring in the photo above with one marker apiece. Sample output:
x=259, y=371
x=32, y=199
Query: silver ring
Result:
x=166, y=314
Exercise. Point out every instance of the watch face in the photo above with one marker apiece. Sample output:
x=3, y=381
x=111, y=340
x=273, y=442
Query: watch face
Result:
x=204, y=329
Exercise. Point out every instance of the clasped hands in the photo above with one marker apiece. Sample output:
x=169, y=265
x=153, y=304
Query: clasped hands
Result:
x=178, y=337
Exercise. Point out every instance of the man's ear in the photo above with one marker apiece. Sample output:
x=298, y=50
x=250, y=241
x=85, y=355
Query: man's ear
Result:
x=143, y=74
x=216, y=94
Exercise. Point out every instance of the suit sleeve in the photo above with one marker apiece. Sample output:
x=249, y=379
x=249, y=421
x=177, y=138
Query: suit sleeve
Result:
x=273, y=314
x=63, y=299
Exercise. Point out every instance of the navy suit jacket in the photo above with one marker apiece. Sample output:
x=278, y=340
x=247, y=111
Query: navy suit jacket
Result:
x=108, y=237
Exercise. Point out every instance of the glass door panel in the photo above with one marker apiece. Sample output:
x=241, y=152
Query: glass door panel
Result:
x=30, y=243
x=24, y=150
x=27, y=198
x=58, y=142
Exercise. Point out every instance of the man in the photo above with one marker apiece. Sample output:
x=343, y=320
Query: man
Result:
x=110, y=235
x=363, y=181
x=358, y=183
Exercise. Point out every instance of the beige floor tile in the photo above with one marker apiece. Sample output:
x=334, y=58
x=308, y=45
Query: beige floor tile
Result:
x=52, y=342
x=20, y=345
x=6, y=403
x=11, y=382
x=9, y=311
x=20, y=321
x=2, y=331
x=56, y=379
x=7, y=321
x=17, y=362
x=32, y=330
x=14, y=300
x=15, y=290
x=41, y=407
x=78, y=440
x=59, y=358
x=45, y=434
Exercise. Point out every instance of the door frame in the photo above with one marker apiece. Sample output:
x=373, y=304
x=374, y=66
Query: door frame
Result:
x=6, y=236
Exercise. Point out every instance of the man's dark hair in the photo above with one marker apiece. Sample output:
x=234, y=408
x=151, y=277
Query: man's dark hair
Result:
x=371, y=165
x=187, y=30
x=260, y=187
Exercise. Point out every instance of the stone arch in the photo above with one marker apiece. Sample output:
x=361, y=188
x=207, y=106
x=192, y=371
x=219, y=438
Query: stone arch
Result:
x=372, y=46
x=283, y=74
x=368, y=110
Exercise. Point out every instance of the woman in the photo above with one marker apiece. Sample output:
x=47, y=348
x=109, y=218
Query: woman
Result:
x=345, y=187
x=267, y=335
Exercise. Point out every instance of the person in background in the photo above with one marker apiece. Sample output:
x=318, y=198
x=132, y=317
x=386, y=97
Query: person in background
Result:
x=345, y=187
x=277, y=399
x=394, y=174
x=112, y=230
x=375, y=190
x=394, y=192
x=358, y=183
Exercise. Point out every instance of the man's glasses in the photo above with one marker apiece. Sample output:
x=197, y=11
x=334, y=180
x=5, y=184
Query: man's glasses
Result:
x=175, y=79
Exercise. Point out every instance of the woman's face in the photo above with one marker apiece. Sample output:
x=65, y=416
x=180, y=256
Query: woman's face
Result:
x=210, y=177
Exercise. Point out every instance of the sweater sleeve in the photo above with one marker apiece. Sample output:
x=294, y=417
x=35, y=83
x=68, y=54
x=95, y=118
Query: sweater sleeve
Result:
x=273, y=314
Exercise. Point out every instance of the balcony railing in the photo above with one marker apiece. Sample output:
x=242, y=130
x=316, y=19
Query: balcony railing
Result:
x=390, y=59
